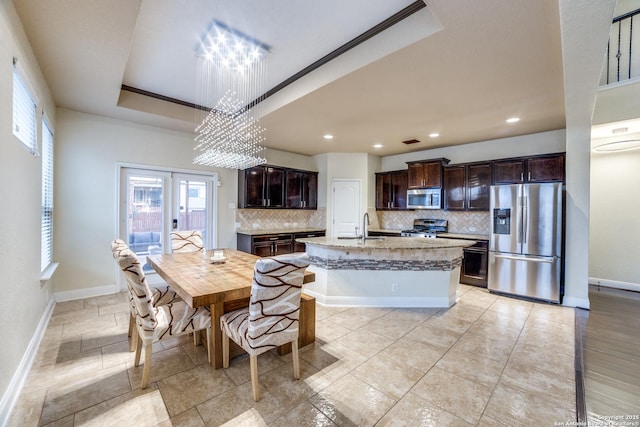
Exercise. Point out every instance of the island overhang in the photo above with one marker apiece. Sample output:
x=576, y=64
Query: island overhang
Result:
x=388, y=272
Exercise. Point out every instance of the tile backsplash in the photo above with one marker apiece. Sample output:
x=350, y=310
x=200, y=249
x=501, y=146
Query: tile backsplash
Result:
x=459, y=222
x=270, y=219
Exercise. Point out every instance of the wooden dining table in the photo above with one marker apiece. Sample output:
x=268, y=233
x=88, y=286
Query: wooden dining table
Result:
x=222, y=287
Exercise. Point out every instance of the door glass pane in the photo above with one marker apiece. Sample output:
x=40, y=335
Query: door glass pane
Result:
x=145, y=196
x=193, y=208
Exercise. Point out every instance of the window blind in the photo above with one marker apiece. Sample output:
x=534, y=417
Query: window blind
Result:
x=46, y=255
x=24, y=114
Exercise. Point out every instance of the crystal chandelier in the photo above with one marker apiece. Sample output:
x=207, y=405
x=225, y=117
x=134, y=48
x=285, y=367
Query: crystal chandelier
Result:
x=232, y=72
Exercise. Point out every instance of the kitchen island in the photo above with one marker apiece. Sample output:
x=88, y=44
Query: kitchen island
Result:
x=385, y=271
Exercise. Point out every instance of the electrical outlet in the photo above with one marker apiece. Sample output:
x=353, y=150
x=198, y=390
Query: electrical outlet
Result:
x=394, y=287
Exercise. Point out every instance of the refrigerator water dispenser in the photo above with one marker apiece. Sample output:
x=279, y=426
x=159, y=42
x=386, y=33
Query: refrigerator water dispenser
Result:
x=501, y=221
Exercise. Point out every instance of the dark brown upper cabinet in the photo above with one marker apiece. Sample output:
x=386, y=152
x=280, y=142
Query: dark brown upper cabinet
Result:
x=391, y=190
x=455, y=188
x=261, y=187
x=466, y=187
x=277, y=187
x=426, y=173
x=546, y=168
x=478, y=186
x=301, y=189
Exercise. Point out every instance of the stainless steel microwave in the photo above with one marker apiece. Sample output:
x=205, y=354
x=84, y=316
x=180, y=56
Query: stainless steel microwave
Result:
x=424, y=198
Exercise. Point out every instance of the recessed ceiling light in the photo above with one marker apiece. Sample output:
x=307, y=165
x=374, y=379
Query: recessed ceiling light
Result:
x=328, y=136
x=378, y=145
x=619, y=130
x=513, y=119
x=434, y=135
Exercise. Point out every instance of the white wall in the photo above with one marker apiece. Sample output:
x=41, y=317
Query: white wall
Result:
x=356, y=166
x=88, y=149
x=614, y=229
x=584, y=27
x=24, y=298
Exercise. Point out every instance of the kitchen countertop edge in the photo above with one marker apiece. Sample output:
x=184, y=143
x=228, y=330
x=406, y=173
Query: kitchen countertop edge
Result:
x=261, y=231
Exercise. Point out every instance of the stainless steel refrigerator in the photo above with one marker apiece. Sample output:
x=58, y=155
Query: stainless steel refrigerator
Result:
x=525, y=250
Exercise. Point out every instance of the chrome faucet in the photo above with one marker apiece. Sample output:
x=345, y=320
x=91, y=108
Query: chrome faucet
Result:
x=365, y=222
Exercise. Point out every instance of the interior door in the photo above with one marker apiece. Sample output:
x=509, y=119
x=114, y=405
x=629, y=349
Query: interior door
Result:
x=346, y=208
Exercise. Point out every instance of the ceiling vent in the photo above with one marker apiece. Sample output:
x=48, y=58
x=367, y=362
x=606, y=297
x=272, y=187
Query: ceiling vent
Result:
x=410, y=141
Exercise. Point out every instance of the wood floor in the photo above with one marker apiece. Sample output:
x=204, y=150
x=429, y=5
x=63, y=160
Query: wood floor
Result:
x=611, y=356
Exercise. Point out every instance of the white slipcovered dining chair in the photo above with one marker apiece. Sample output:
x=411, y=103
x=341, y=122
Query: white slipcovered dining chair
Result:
x=154, y=323
x=160, y=295
x=186, y=241
x=272, y=316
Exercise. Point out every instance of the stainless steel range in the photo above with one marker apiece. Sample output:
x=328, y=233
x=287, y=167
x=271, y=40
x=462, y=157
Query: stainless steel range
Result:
x=426, y=227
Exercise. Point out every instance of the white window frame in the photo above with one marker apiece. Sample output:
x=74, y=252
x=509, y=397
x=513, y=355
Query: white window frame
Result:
x=25, y=111
x=46, y=250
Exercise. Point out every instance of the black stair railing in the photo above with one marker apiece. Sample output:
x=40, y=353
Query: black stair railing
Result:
x=622, y=63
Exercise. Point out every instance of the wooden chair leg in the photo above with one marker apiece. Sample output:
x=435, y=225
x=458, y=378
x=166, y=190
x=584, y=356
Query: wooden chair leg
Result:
x=196, y=338
x=132, y=322
x=146, y=370
x=134, y=338
x=255, y=388
x=225, y=349
x=207, y=343
x=138, y=350
x=296, y=359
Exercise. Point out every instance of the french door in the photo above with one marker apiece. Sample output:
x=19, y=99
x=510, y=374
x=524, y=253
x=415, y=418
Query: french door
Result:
x=152, y=203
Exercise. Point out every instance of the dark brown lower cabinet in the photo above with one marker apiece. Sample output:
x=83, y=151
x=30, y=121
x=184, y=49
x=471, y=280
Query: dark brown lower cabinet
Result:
x=301, y=247
x=273, y=244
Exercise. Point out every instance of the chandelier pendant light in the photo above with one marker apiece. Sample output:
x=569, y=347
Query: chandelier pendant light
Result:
x=232, y=73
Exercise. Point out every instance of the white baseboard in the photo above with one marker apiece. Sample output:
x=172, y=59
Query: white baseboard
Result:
x=86, y=293
x=20, y=375
x=627, y=286
x=568, y=301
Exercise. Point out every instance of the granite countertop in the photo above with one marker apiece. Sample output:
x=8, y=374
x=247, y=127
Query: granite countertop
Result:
x=464, y=236
x=288, y=230
x=388, y=243
x=444, y=235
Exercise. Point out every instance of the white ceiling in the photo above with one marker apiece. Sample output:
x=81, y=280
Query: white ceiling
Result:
x=459, y=68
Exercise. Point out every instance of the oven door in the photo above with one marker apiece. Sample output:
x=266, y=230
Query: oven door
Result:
x=475, y=265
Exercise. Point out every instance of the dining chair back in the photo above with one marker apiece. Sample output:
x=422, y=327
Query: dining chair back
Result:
x=273, y=313
x=186, y=241
x=154, y=323
x=160, y=294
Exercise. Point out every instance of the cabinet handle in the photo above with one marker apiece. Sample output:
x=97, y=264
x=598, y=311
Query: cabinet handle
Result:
x=529, y=179
x=521, y=176
x=264, y=202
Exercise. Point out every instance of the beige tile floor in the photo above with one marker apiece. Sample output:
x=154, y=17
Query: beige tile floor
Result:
x=486, y=361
